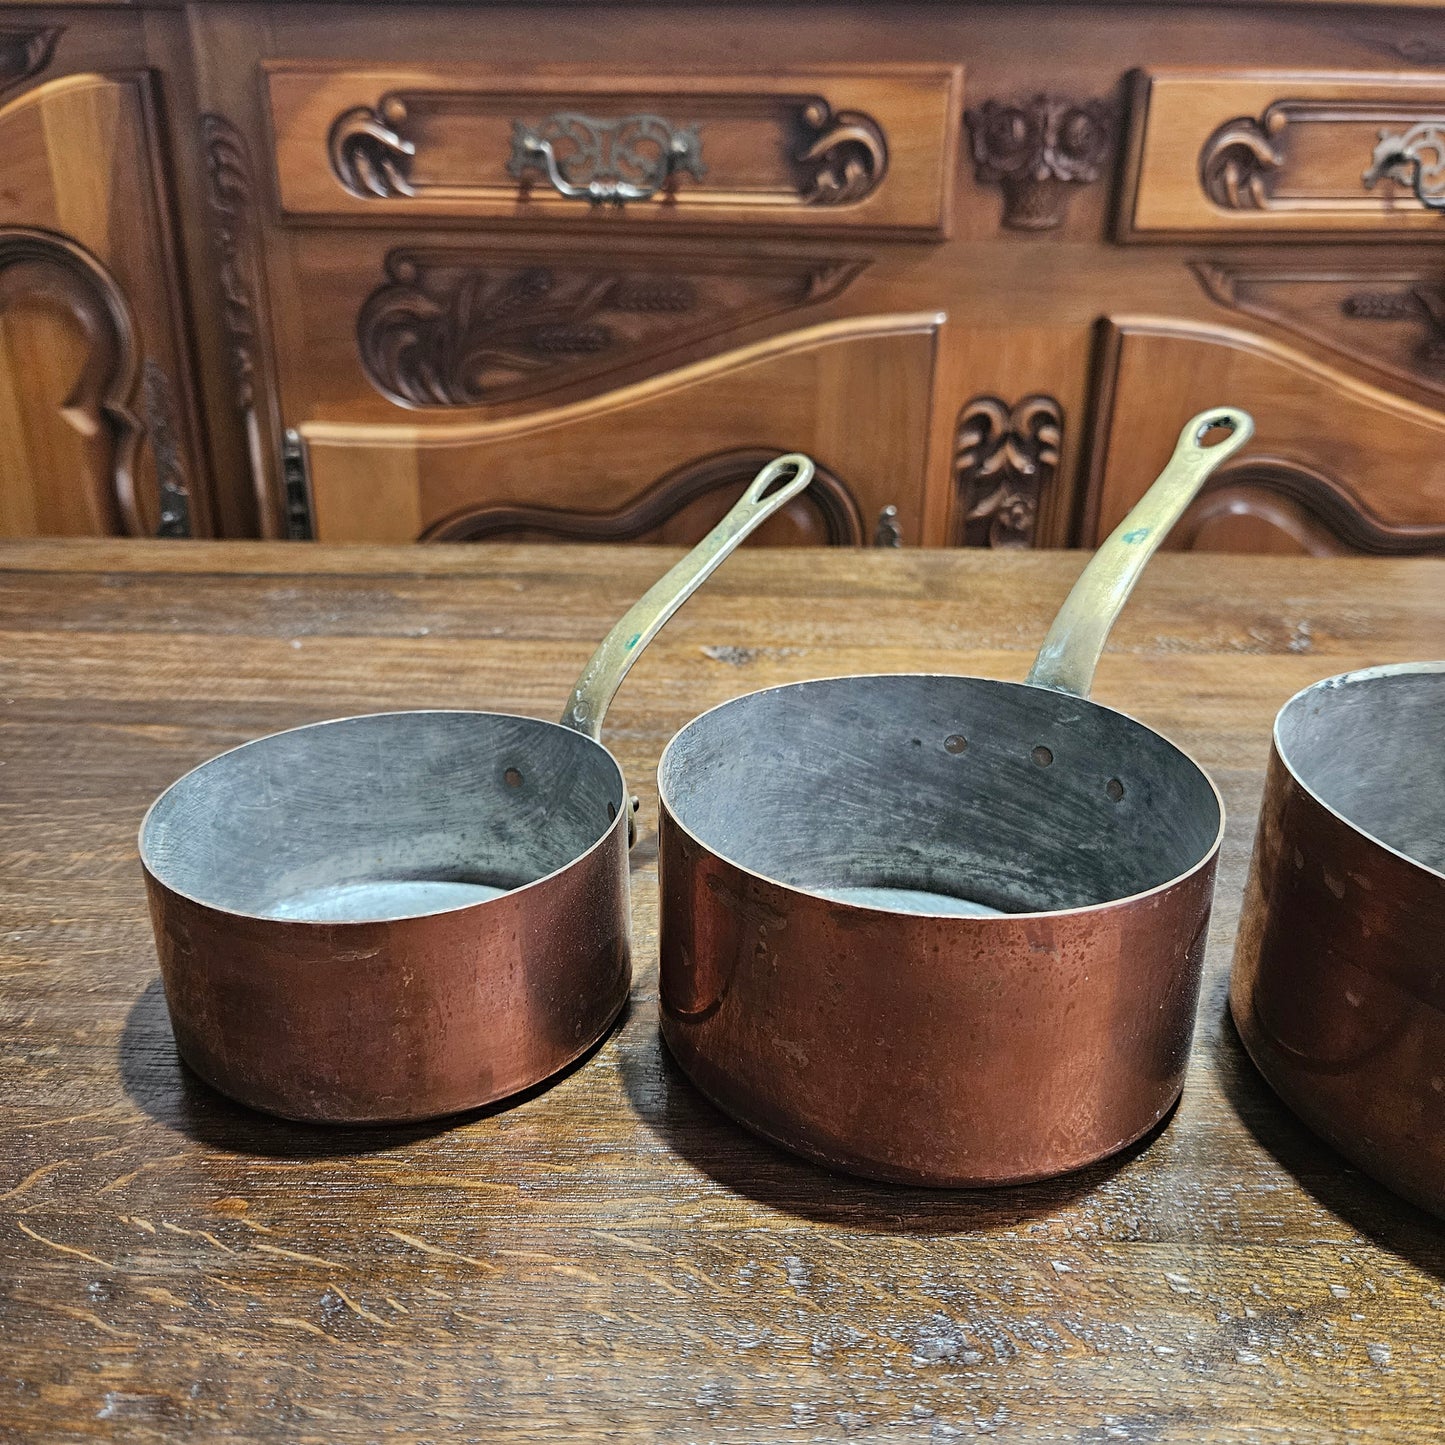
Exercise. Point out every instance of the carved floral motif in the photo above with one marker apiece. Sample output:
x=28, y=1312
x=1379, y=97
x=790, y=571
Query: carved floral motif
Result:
x=1035, y=149
x=1004, y=457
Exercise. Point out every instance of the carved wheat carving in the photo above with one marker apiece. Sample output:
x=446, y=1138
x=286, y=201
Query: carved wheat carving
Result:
x=1004, y=457
x=448, y=329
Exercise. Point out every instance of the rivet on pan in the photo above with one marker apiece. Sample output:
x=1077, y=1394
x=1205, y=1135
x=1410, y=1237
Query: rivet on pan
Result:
x=1042, y=756
x=512, y=778
x=1115, y=789
x=955, y=742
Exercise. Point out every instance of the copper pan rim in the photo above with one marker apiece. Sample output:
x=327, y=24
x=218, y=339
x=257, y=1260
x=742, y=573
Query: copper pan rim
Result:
x=1329, y=684
x=307, y=923
x=1205, y=860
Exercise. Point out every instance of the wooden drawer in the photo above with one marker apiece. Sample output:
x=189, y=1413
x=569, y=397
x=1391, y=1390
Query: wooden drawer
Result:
x=828, y=150
x=1259, y=153
x=661, y=459
x=1336, y=465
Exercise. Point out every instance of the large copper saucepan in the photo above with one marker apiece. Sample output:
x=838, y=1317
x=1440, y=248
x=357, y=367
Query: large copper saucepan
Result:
x=1339, y=972
x=402, y=915
x=945, y=930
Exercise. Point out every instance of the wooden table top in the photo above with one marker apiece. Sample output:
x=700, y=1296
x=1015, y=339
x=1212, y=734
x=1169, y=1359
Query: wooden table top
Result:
x=611, y=1258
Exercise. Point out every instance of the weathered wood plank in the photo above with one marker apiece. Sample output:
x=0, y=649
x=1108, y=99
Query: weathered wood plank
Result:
x=611, y=1257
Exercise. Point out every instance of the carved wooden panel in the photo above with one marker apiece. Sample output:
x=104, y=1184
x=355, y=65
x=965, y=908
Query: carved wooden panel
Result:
x=1335, y=463
x=452, y=327
x=97, y=414
x=25, y=51
x=1389, y=318
x=1004, y=459
x=234, y=205
x=1264, y=152
x=835, y=149
x=853, y=394
x=1036, y=149
x=678, y=507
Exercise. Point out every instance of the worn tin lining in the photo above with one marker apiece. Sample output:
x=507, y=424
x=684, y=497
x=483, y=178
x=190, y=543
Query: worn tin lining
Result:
x=437, y=796
x=1014, y=797
x=1370, y=746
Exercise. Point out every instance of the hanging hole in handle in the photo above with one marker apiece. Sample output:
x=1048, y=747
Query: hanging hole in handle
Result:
x=1214, y=431
x=781, y=472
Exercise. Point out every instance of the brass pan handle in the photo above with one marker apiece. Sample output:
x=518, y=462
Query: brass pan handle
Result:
x=644, y=619
x=1071, y=651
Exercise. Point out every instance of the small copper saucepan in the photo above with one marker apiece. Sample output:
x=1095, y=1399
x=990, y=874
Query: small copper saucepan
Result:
x=1339, y=973
x=945, y=930
x=402, y=915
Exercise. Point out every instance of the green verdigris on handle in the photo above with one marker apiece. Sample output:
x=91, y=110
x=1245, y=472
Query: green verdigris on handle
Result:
x=641, y=622
x=1071, y=651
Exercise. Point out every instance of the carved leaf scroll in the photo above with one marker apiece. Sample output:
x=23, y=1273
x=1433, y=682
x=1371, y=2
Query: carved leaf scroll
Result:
x=459, y=328
x=1004, y=458
x=369, y=150
x=1238, y=160
x=845, y=157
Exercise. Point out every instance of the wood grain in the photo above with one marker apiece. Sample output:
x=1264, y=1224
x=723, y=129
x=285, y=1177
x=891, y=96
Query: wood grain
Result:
x=610, y=1258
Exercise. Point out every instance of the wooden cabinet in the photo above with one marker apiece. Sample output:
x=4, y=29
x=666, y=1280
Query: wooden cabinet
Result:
x=468, y=270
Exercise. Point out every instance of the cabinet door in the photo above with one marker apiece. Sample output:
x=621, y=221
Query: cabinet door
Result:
x=1335, y=465
x=659, y=459
x=96, y=410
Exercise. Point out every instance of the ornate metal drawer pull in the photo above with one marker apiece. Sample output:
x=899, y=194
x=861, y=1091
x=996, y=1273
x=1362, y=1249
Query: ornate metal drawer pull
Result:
x=1415, y=159
x=606, y=162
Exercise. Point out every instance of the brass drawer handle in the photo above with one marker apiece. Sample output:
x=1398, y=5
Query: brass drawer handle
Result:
x=1415, y=159
x=606, y=162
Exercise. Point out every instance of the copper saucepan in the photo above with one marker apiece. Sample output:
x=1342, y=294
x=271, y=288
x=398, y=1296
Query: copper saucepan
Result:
x=945, y=930
x=402, y=915
x=1339, y=972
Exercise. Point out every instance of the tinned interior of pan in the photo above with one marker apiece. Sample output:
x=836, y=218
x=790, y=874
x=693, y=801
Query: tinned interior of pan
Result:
x=1371, y=746
x=390, y=815
x=941, y=795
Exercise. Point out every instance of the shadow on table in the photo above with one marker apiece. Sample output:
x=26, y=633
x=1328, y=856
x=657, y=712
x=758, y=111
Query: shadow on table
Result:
x=162, y=1086
x=1326, y=1176
x=688, y=1123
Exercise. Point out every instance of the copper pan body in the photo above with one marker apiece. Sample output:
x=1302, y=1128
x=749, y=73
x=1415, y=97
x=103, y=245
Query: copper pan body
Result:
x=327, y=1019
x=932, y=1047
x=404, y=915
x=1338, y=988
x=946, y=930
